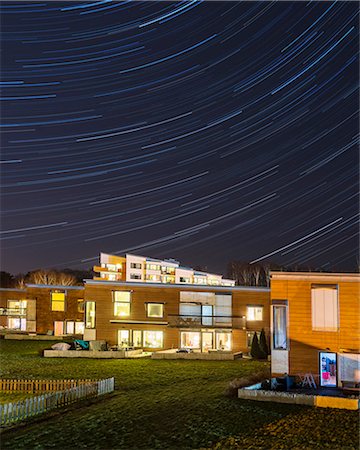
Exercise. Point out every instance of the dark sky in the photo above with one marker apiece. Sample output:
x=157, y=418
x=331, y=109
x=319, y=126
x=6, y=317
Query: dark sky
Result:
x=202, y=131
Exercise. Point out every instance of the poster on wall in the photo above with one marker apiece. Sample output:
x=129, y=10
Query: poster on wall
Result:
x=328, y=369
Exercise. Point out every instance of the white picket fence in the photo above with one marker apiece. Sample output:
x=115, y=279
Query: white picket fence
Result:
x=18, y=411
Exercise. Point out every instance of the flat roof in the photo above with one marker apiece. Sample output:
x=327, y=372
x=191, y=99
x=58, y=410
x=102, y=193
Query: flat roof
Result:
x=275, y=275
x=174, y=285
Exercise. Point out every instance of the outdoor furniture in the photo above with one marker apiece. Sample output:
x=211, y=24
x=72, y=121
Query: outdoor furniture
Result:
x=352, y=387
x=307, y=380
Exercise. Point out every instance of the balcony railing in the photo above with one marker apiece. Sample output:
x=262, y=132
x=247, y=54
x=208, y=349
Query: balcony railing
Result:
x=18, y=312
x=106, y=269
x=189, y=321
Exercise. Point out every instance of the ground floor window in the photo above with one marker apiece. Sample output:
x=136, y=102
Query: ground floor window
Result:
x=16, y=323
x=137, y=338
x=70, y=327
x=58, y=328
x=140, y=338
x=124, y=338
x=327, y=369
x=205, y=340
x=79, y=327
x=153, y=339
x=223, y=341
x=190, y=339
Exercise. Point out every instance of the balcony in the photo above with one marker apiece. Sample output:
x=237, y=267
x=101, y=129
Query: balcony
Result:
x=106, y=269
x=16, y=312
x=189, y=321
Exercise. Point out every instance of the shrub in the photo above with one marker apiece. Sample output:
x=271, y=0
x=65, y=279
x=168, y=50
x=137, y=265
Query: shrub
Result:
x=253, y=378
x=256, y=351
x=263, y=343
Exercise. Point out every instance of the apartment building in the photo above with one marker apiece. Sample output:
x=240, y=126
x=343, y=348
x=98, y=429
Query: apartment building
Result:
x=315, y=325
x=134, y=268
x=158, y=316
x=43, y=309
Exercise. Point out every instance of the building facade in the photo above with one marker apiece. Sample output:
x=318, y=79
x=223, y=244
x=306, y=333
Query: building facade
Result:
x=156, y=316
x=43, y=309
x=134, y=268
x=315, y=325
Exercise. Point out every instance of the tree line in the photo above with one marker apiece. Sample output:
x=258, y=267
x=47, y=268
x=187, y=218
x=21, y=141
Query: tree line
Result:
x=66, y=277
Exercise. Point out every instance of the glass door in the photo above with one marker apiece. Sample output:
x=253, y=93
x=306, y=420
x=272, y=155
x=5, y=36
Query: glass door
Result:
x=206, y=315
x=206, y=341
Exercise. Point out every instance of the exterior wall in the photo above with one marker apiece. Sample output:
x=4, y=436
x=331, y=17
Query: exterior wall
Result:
x=304, y=343
x=107, y=328
x=45, y=317
x=39, y=305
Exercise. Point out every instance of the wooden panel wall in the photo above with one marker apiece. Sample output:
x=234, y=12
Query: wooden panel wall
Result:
x=102, y=295
x=306, y=343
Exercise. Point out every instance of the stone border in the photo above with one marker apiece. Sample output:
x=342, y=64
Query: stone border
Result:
x=321, y=401
x=119, y=354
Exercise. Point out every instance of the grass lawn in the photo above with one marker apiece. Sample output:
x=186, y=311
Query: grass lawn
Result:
x=169, y=405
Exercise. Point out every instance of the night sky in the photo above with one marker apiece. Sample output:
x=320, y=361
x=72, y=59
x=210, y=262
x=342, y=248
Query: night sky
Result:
x=202, y=131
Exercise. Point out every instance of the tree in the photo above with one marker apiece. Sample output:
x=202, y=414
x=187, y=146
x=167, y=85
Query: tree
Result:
x=51, y=277
x=263, y=343
x=6, y=279
x=255, y=351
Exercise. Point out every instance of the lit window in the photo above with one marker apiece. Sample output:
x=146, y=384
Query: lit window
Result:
x=58, y=301
x=254, y=313
x=124, y=338
x=122, y=301
x=70, y=327
x=155, y=310
x=190, y=339
x=137, y=338
x=152, y=267
x=135, y=265
x=223, y=341
x=81, y=305
x=89, y=314
x=153, y=339
x=79, y=327
x=324, y=304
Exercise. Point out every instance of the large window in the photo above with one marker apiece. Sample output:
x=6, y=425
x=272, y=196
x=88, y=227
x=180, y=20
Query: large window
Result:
x=254, y=313
x=81, y=305
x=155, y=310
x=137, y=338
x=190, y=339
x=135, y=276
x=16, y=323
x=79, y=327
x=280, y=327
x=324, y=305
x=223, y=309
x=58, y=301
x=89, y=314
x=135, y=265
x=223, y=341
x=122, y=302
x=70, y=327
x=124, y=338
x=153, y=339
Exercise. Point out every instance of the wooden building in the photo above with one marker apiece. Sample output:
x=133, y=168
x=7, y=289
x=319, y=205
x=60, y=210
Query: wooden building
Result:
x=43, y=309
x=315, y=325
x=156, y=316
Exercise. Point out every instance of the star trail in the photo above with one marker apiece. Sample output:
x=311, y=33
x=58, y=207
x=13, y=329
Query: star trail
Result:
x=202, y=131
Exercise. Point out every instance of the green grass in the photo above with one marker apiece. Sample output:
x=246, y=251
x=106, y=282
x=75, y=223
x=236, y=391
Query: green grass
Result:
x=169, y=405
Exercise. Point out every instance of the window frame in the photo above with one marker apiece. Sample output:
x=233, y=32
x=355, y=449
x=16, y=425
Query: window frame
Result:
x=58, y=291
x=254, y=307
x=324, y=328
x=85, y=316
x=154, y=303
x=129, y=303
